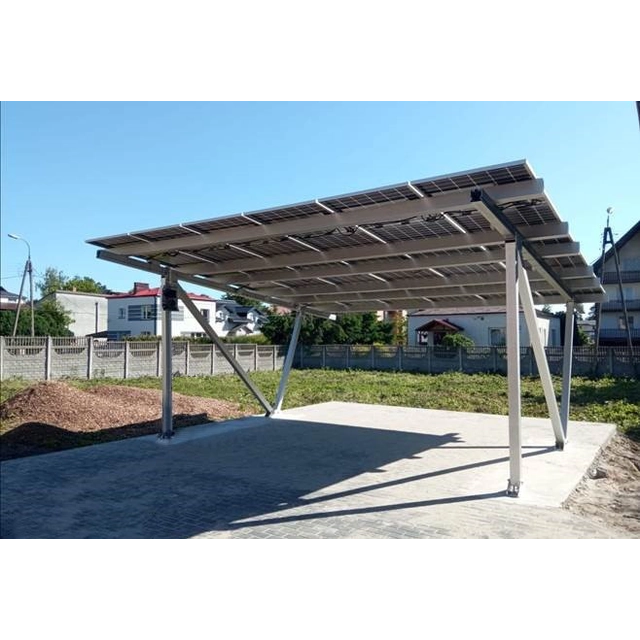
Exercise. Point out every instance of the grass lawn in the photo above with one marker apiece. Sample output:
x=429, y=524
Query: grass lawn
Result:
x=615, y=400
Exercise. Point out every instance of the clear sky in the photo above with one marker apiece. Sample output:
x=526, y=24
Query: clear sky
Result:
x=73, y=171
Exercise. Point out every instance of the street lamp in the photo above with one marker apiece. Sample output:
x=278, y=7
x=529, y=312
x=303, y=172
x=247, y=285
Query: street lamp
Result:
x=28, y=268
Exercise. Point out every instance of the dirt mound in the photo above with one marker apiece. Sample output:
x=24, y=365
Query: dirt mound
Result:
x=104, y=407
x=611, y=489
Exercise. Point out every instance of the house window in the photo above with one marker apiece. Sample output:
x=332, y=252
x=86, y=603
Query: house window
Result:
x=141, y=312
x=622, y=325
x=205, y=314
x=122, y=313
x=497, y=337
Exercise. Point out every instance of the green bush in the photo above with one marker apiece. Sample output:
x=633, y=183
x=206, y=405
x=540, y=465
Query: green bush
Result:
x=457, y=340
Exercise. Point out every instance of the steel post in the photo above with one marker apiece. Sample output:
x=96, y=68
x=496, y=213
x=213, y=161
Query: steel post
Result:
x=167, y=368
x=567, y=361
x=288, y=362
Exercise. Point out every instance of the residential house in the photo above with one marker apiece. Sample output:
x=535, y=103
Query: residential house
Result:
x=486, y=326
x=10, y=301
x=139, y=313
x=238, y=320
x=612, y=322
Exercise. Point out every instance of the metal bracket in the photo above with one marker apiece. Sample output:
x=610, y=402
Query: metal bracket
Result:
x=513, y=489
x=499, y=221
x=559, y=446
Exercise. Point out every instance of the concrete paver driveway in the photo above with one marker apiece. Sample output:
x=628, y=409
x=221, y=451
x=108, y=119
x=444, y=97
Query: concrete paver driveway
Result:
x=330, y=470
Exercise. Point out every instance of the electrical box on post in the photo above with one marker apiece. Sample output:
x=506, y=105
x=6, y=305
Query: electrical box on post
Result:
x=169, y=298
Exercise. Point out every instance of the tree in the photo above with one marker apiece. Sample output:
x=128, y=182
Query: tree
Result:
x=49, y=319
x=85, y=285
x=55, y=280
x=579, y=335
x=352, y=328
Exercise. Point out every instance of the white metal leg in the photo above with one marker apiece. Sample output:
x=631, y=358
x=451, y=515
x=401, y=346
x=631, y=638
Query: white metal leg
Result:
x=288, y=362
x=513, y=368
x=167, y=371
x=541, y=357
x=208, y=329
x=566, y=368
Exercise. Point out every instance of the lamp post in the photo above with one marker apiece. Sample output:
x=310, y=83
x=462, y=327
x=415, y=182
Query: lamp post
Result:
x=28, y=268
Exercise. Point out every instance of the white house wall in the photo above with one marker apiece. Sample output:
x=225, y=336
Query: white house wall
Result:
x=185, y=327
x=477, y=326
x=84, y=309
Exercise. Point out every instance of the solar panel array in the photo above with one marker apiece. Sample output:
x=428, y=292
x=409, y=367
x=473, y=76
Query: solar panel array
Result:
x=421, y=244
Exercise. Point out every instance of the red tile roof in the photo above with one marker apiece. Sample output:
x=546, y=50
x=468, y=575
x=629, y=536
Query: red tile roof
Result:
x=156, y=291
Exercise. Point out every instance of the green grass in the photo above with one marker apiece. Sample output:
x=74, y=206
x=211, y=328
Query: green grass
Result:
x=615, y=400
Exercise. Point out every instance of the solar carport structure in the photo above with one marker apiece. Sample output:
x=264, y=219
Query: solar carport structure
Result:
x=488, y=236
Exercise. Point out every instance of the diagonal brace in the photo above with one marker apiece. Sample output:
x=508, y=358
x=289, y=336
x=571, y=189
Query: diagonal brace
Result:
x=526, y=299
x=288, y=362
x=208, y=329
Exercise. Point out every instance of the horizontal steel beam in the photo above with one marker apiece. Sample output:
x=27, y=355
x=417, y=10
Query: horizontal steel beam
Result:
x=452, y=242
x=493, y=288
x=373, y=214
x=431, y=283
x=407, y=263
x=421, y=303
x=159, y=269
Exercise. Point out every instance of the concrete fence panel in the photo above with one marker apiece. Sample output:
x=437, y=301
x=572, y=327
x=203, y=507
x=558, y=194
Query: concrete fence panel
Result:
x=56, y=358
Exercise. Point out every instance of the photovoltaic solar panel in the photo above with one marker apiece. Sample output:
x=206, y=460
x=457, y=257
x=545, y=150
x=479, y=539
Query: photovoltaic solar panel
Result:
x=357, y=239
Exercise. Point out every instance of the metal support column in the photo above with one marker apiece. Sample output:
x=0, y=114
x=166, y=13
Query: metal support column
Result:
x=566, y=367
x=288, y=362
x=167, y=367
x=208, y=329
x=541, y=357
x=512, y=258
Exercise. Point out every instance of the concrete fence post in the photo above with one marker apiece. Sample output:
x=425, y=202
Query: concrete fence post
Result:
x=255, y=357
x=48, y=351
x=429, y=363
x=460, y=365
x=531, y=360
x=273, y=357
x=324, y=356
x=373, y=356
x=187, y=357
x=494, y=353
x=125, y=364
x=89, y=358
x=1, y=357
x=158, y=358
x=347, y=356
x=400, y=358
x=611, y=360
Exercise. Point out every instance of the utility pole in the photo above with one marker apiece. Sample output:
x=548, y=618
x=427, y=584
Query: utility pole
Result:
x=28, y=269
x=607, y=238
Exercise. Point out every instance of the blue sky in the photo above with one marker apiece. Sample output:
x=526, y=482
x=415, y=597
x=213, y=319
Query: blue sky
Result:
x=73, y=171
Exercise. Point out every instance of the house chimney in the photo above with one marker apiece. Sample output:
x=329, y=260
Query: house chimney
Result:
x=140, y=286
